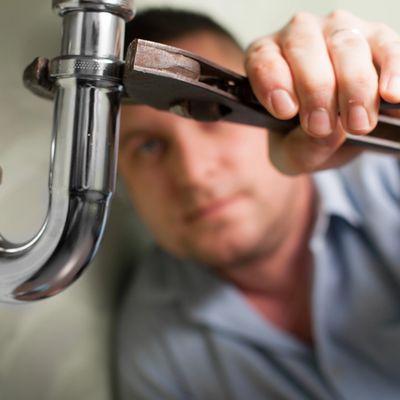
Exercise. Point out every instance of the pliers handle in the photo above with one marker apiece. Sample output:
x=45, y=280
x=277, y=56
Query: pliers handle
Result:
x=172, y=79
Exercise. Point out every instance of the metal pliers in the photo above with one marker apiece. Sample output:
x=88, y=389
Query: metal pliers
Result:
x=175, y=80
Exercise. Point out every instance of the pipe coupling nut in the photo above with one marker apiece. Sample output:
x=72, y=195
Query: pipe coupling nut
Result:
x=122, y=8
x=86, y=68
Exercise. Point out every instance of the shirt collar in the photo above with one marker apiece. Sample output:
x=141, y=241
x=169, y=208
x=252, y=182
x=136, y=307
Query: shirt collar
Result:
x=334, y=197
x=213, y=302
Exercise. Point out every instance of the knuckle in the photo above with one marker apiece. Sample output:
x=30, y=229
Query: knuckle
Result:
x=263, y=59
x=257, y=46
x=390, y=48
x=257, y=69
x=273, y=64
x=258, y=73
x=252, y=60
x=261, y=47
x=296, y=45
x=383, y=33
x=339, y=14
x=379, y=28
x=301, y=18
x=344, y=39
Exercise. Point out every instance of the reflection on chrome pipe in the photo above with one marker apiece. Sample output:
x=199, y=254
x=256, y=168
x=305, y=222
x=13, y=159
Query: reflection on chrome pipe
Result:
x=88, y=88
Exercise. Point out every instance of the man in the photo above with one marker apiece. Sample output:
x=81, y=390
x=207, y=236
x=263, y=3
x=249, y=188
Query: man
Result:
x=267, y=285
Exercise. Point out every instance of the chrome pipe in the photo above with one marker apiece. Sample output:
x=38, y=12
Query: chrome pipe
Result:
x=87, y=84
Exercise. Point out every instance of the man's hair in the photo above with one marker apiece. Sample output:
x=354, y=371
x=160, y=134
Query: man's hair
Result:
x=166, y=24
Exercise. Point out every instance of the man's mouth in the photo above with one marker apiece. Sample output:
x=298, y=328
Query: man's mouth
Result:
x=212, y=210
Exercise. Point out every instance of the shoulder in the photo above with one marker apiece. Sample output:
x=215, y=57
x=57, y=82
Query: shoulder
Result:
x=373, y=173
x=371, y=183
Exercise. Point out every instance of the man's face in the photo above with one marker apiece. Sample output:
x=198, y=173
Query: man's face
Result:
x=206, y=190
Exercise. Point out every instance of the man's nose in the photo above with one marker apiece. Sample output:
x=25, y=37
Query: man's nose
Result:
x=195, y=155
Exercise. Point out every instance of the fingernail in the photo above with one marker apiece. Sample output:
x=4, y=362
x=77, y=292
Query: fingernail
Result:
x=393, y=85
x=282, y=103
x=319, y=122
x=358, y=119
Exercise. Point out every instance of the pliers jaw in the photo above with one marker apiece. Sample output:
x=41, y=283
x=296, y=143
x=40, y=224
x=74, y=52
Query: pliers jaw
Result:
x=172, y=79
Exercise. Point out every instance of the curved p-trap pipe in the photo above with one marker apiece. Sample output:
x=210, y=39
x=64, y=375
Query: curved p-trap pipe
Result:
x=87, y=83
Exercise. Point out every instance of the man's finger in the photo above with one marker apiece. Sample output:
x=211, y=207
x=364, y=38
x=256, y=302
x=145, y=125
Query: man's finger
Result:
x=271, y=78
x=303, y=46
x=356, y=76
x=385, y=48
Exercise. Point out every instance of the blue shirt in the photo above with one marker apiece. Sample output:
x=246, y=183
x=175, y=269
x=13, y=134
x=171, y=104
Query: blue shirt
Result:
x=186, y=334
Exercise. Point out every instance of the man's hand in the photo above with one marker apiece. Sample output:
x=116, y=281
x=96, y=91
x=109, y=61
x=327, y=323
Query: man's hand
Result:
x=320, y=68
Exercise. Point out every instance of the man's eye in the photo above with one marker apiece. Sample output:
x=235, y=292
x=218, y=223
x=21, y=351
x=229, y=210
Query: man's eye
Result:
x=150, y=146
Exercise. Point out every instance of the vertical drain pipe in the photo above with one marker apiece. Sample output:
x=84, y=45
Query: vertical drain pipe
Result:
x=88, y=89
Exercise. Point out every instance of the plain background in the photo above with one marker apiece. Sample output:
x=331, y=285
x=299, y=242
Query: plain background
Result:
x=60, y=348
